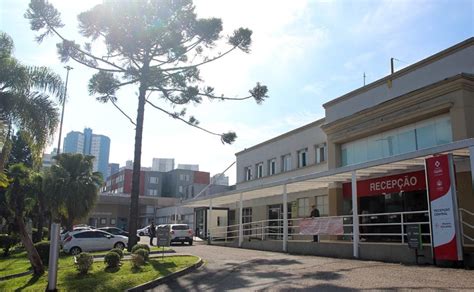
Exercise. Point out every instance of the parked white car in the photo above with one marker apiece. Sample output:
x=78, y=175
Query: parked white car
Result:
x=180, y=233
x=92, y=240
x=143, y=231
x=65, y=233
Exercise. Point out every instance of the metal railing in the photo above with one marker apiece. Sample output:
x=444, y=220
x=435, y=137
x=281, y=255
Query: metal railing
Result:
x=375, y=227
x=466, y=227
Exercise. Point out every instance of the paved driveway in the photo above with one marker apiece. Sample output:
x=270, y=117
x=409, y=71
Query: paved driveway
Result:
x=249, y=270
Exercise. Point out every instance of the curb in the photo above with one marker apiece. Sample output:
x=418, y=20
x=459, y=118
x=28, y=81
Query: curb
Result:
x=99, y=256
x=164, y=279
x=8, y=277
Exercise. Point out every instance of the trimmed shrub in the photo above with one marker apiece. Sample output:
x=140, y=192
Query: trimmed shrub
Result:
x=117, y=251
x=143, y=252
x=138, y=246
x=112, y=259
x=43, y=251
x=7, y=242
x=84, y=262
x=137, y=260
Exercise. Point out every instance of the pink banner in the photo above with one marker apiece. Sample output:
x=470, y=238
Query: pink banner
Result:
x=321, y=226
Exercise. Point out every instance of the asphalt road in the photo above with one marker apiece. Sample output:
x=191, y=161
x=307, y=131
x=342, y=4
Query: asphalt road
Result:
x=249, y=270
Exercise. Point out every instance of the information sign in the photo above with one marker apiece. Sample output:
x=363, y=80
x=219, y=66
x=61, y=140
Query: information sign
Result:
x=163, y=235
x=414, y=236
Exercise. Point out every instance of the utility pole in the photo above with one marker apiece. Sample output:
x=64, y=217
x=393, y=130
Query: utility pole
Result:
x=68, y=68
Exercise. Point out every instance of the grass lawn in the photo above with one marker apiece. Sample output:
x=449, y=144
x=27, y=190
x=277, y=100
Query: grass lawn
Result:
x=99, y=278
x=15, y=263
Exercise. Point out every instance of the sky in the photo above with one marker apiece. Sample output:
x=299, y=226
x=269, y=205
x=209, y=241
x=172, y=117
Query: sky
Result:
x=307, y=52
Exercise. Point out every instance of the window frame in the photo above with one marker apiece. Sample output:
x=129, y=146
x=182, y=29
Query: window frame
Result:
x=303, y=157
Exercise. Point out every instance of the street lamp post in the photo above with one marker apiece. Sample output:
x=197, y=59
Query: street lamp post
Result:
x=68, y=68
x=55, y=227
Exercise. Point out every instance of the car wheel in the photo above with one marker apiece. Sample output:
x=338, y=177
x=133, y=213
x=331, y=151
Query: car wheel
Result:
x=75, y=250
x=190, y=242
x=119, y=245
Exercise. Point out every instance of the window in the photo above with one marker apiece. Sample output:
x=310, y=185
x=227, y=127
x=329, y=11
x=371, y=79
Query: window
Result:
x=272, y=166
x=286, y=162
x=246, y=220
x=320, y=153
x=248, y=173
x=103, y=221
x=303, y=207
x=181, y=177
x=322, y=205
x=152, y=192
x=154, y=180
x=180, y=189
x=420, y=135
x=302, y=158
x=260, y=170
x=112, y=221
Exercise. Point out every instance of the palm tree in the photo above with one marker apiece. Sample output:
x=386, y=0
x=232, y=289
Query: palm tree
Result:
x=24, y=101
x=19, y=198
x=72, y=187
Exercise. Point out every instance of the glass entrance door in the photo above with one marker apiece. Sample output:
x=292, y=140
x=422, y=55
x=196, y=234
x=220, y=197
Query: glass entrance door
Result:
x=275, y=217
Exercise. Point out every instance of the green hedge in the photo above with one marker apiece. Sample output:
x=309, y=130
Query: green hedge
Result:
x=43, y=251
x=139, y=245
x=7, y=242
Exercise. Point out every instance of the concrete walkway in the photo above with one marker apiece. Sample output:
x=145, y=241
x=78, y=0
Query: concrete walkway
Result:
x=250, y=270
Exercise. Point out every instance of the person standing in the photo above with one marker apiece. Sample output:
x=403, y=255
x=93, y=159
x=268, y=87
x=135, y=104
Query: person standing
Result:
x=152, y=232
x=315, y=213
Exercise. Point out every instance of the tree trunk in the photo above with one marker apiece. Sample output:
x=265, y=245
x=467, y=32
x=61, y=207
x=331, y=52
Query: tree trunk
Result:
x=33, y=255
x=133, y=222
x=6, y=149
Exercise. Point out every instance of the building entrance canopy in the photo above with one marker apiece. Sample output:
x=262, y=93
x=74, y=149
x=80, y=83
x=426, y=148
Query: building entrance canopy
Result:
x=462, y=150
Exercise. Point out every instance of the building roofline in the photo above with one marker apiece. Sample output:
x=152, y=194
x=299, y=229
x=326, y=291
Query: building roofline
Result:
x=317, y=122
x=457, y=47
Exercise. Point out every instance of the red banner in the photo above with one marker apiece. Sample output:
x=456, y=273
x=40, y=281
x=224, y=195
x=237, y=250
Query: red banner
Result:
x=443, y=208
x=407, y=182
x=321, y=226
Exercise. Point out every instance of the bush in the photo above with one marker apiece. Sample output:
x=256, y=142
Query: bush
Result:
x=137, y=260
x=112, y=259
x=140, y=246
x=117, y=251
x=7, y=242
x=143, y=252
x=43, y=251
x=84, y=262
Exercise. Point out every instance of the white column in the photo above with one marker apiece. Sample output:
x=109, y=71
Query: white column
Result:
x=285, y=219
x=209, y=221
x=355, y=216
x=241, y=227
x=471, y=152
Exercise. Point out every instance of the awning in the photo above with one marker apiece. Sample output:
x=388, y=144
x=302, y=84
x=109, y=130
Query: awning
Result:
x=321, y=180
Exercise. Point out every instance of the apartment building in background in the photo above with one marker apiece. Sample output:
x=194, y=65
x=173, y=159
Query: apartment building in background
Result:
x=87, y=143
x=162, y=164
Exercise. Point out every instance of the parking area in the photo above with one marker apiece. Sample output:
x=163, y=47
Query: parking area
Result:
x=251, y=270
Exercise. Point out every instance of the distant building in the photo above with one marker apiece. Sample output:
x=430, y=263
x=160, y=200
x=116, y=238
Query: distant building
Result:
x=194, y=167
x=220, y=179
x=163, y=164
x=113, y=169
x=48, y=160
x=178, y=183
x=90, y=144
x=129, y=164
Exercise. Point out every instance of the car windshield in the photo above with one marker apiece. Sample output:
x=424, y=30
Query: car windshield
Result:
x=180, y=227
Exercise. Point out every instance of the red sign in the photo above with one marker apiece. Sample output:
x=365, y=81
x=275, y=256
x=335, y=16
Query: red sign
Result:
x=407, y=182
x=443, y=208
